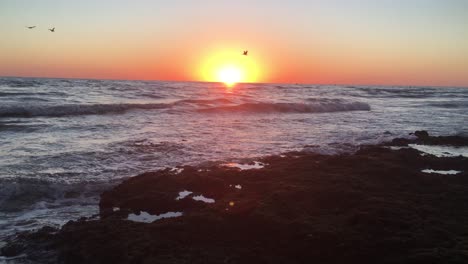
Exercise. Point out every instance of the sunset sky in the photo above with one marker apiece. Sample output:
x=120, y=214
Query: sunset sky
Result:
x=414, y=42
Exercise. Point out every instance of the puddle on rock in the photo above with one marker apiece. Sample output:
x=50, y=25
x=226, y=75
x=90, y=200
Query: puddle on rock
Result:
x=183, y=194
x=256, y=165
x=396, y=147
x=441, y=151
x=238, y=186
x=202, y=198
x=177, y=170
x=444, y=172
x=145, y=217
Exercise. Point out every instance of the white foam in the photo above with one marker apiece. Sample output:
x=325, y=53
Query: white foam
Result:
x=441, y=151
x=145, y=217
x=177, y=170
x=73, y=109
x=115, y=209
x=397, y=148
x=183, y=194
x=445, y=172
x=256, y=165
x=53, y=171
x=7, y=259
x=270, y=107
x=54, y=214
x=238, y=186
x=202, y=198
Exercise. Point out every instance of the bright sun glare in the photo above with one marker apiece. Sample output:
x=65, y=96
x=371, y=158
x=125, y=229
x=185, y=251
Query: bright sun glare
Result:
x=229, y=75
x=229, y=66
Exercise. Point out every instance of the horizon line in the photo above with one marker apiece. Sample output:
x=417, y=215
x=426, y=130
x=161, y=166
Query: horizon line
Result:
x=194, y=81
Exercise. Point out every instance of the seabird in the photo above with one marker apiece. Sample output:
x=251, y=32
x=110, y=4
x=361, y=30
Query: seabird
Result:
x=31, y=27
x=246, y=52
x=52, y=29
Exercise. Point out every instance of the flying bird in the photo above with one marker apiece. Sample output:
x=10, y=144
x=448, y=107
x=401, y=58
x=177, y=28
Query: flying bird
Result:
x=52, y=29
x=31, y=27
x=246, y=52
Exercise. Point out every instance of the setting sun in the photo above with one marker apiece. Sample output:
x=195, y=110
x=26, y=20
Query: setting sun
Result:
x=229, y=66
x=230, y=75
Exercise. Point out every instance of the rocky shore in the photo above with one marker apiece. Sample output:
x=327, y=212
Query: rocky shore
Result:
x=404, y=201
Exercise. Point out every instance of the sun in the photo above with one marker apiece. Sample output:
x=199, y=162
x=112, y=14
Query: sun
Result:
x=229, y=75
x=229, y=66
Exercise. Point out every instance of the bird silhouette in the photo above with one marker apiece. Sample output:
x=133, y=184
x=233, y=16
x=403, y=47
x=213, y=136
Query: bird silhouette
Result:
x=31, y=27
x=246, y=52
x=52, y=29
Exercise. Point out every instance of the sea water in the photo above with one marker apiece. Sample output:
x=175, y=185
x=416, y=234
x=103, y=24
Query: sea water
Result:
x=63, y=141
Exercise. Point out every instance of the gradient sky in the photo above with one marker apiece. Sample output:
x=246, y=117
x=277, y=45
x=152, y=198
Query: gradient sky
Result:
x=411, y=42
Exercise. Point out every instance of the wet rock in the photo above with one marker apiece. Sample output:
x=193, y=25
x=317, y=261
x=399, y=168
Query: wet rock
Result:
x=12, y=250
x=372, y=206
x=400, y=142
x=421, y=134
x=422, y=137
x=37, y=246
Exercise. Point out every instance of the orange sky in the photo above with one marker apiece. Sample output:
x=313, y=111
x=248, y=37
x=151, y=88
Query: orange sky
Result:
x=352, y=42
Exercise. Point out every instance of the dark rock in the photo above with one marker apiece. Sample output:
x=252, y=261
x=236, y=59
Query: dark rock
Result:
x=422, y=137
x=421, y=134
x=12, y=250
x=38, y=246
x=400, y=142
x=374, y=206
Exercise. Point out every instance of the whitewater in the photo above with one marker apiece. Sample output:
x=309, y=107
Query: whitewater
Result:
x=64, y=141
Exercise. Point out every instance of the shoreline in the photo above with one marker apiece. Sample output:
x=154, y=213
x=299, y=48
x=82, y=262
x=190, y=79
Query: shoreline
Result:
x=375, y=205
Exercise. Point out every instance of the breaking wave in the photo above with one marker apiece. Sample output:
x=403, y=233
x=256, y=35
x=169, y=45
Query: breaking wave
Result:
x=20, y=83
x=20, y=194
x=70, y=110
x=449, y=104
x=204, y=101
x=291, y=107
x=215, y=105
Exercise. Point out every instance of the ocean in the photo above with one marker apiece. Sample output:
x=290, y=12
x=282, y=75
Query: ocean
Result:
x=64, y=141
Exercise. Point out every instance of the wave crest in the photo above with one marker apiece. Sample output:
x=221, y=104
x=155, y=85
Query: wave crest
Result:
x=21, y=193
x=70, y=110
x=205, y=101
x=291, y=107
x=204, y=106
